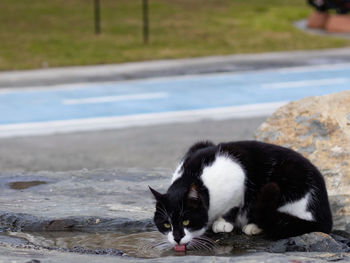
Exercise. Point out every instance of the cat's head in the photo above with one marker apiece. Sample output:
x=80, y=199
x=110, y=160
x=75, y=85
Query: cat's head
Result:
x=181, y=216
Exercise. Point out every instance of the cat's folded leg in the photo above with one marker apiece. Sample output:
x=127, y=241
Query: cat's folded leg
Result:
x=221, y=225
x=251, y=229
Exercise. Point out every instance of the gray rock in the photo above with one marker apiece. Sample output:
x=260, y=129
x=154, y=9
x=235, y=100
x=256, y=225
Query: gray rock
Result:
x=312, y=242
x=318, y=128
x=79, y=197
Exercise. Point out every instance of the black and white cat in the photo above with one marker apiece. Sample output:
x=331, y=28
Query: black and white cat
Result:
x=254, y=186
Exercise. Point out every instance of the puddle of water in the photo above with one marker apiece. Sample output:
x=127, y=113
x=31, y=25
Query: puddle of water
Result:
x=21, y=185
x=141, y=245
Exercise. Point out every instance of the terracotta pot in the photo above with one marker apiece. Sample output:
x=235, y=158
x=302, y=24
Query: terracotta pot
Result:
x=317, y=20
x=338, y=24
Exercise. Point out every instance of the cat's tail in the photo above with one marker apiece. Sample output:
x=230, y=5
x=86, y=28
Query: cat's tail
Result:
x=276, y=224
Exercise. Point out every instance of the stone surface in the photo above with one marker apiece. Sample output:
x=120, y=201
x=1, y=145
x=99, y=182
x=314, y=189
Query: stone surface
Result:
x=312, y=242
x=26, y=252
x=141, y=147
x=313, y=247
x=22, y=255
x=318, y=128
x=118, y=200
x=104, y=197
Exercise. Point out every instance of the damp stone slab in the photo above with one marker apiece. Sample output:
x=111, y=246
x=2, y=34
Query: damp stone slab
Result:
x=79, y=196
x=110, y=199
x=19, y=255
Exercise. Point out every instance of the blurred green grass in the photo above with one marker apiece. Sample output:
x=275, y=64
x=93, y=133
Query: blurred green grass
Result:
x=41, y=33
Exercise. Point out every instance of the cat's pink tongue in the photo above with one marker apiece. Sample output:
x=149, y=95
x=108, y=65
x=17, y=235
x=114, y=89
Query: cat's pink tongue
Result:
x=180, y=248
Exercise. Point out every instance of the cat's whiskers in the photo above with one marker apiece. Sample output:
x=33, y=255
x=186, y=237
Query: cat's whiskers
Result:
x=203, y=243
x=182, y=208
x=163, y=244
x=163, y=214
x=194, y=246
x=163, y=211
x=209, y=246
x=207, y=239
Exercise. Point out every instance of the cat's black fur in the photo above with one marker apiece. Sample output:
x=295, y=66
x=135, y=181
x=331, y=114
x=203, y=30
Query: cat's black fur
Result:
x=274, y=176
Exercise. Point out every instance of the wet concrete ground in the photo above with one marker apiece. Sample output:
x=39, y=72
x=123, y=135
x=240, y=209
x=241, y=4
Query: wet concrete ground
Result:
x=112, y=201
x=120, y=194
x=37, y=256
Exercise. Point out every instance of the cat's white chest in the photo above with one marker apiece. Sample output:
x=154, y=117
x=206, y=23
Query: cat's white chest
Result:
x=224, y=179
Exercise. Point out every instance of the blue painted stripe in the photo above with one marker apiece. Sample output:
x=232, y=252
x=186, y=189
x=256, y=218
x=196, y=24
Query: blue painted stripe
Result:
x=183, y=93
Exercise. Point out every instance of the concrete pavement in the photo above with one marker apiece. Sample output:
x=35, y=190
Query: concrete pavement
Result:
x=143, y=147
x=188, y=66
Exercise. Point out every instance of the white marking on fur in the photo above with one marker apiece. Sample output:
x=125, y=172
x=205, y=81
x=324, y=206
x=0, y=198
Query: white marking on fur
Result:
x=190, y=235
x=251, y=229
x=298, y=208
x=241, y=219
x=177, y=173
x=221, y=225
x=171, y=238
x=224, y=180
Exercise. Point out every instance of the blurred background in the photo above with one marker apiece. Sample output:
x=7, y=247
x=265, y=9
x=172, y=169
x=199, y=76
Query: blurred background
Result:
x=36, y=34
x=133, y=83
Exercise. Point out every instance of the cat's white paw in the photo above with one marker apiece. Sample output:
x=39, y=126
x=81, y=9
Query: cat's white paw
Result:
x=221, y=225
x=251, y=229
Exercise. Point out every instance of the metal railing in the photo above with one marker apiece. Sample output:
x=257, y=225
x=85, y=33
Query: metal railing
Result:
x=145, y=19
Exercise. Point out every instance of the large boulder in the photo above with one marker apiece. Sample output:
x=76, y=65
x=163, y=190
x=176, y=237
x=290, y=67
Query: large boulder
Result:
x=319, y=129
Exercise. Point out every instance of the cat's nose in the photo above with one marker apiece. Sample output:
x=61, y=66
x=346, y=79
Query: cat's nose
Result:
x=177, y=239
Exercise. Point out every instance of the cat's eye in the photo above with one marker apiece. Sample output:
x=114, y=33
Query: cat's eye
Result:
x=186, y=222
x=166, y=225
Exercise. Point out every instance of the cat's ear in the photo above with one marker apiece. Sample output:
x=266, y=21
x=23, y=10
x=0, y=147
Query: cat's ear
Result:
x=193, y=197
x=193, y=192
x=158, y=196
